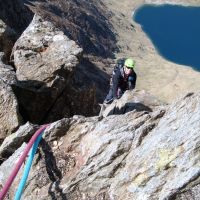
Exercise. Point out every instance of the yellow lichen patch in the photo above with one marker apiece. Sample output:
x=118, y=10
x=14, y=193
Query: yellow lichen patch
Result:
x=141, y=179
x=166, y=156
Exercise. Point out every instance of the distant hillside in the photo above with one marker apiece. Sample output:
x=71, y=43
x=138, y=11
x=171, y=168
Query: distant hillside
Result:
x=86, y=22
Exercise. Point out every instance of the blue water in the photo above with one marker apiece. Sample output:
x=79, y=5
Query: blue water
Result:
x=174, y=31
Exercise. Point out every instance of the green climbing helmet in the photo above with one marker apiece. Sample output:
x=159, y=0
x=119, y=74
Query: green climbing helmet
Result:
x=130, y=63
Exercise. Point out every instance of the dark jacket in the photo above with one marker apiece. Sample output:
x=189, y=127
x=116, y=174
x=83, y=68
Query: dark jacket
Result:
x=122, y=81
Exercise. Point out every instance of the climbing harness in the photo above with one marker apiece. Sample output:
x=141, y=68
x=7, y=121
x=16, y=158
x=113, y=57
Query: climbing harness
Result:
x=34, y=141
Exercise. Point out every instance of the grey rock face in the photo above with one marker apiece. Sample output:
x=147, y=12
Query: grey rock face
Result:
x=10, y=118
x=7, y=39
x=167, y=159
x=15, y=140
x=190, y=192
x=7, y=73
x=45, y=61
x=7, y=167
x=44, y=54
x=138, y=100
x=138, y=155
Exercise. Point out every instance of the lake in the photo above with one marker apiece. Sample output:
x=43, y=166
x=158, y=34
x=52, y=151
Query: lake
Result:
x=174, y=31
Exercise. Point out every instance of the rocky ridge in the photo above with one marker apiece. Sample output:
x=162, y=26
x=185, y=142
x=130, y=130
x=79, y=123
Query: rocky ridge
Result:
x=137, y=148
x=52, y=71
x=137, y=155
x=42, y=79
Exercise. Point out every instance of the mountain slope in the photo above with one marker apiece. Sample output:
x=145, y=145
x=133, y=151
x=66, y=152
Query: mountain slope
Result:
x=139, y=155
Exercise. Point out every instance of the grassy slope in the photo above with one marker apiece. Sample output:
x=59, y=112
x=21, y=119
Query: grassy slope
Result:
x=160, y=77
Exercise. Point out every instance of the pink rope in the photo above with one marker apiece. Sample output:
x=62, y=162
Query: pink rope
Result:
x=20, y=161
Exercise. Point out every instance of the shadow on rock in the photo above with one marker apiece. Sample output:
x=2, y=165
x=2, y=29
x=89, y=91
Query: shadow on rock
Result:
x=53, y=172
x=40, y=104
x=34, y=99
x=128, y=107
x=92, y=75
x=138, y=100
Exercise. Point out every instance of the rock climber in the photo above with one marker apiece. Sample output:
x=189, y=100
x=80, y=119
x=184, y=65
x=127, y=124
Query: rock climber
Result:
x=123, y=78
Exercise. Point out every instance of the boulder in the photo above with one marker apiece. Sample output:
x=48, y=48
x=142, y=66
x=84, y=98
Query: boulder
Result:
x=45, y=61
x=44, y=54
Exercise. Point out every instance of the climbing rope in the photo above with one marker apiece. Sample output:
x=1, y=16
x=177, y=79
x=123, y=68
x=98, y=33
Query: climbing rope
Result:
x=27, y=168
x=20, y=162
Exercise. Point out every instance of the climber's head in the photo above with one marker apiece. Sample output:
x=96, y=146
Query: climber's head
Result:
x=129, y=65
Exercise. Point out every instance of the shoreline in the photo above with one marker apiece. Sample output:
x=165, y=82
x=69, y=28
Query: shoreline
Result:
x=158, y=76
